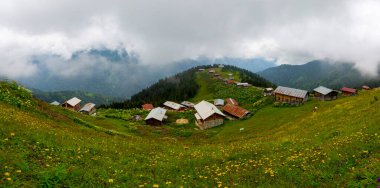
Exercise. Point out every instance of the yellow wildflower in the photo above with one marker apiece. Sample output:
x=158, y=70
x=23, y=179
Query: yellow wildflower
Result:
x=110, y=180
x=155, y=185
x=7, y=174
x=18, y=171
x=9, y=179
x=12, y=134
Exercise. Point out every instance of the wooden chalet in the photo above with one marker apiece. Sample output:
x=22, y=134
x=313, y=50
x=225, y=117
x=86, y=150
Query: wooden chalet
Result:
x=169, y=105
x=366, y=88
x=230, y=81
x=219, y=102
x=268, y=91
x=188, y=104
x=72, y=104
x=232, y=101
x=243, y=84
x=348, y=91
x=55, y=103
x=207, y=115
x=290, y=95
x=88, y=109
x=325, y=94
x=147, y=106
x=235, y=111
x=156, y=116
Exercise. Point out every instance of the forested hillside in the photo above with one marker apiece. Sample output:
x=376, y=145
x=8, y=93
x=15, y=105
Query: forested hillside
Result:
x=316, y=73
x=183, y=86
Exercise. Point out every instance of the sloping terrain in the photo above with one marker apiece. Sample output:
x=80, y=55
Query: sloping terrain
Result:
x=42, y=145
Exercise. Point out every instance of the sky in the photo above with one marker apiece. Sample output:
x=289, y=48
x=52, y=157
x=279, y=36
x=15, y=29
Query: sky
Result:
x=166, y=31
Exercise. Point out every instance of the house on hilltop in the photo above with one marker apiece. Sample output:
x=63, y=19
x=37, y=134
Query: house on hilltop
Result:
x=207, y=115
x=290, y=95
x=156, y=116
x=348, y=91
x=235, y=111
x=147, y=106
x=72, y=104
x=173, y=106
x=366, y=87
x=88, y=109
x=325, y=94
x=268, y=91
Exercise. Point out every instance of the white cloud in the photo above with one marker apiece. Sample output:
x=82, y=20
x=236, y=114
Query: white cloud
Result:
x=165, y=31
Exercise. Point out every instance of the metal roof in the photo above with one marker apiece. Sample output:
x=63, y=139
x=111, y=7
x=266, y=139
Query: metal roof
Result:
x=73, y=101
x=349, y=90
x=236, y=111
x=188, y=104
x=157, y=113
x=291, y=92
x=55, y=103
x=323, y=90
x=219, y=102
x=173, y=105
x=147, y=106
x=205, y=109
x=232, y=101
x=87, y=107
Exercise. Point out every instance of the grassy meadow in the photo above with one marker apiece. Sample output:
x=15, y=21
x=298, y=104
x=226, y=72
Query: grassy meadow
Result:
x=336, y=146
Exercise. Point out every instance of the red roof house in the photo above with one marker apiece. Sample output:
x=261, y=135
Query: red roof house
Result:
x=148, y=106
x=230, y=82
x=348, y=91
x=235, y=111
x=232, y=101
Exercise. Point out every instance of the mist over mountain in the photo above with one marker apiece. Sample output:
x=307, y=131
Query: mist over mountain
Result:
x=116, y=73
x=316, y=73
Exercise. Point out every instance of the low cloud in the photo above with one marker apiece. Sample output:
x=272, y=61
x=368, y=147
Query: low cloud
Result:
x=163, y=31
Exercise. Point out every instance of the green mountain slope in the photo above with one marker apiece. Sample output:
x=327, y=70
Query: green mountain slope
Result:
x=46, y=146
x=316, y=73
x=184, y=86
x=62, y=96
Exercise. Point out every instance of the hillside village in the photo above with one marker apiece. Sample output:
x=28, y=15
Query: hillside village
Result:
x=211, y=113
x=227, y=135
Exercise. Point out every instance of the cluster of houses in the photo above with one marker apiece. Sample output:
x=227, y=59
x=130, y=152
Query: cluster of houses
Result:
x=206, y=114
x=229, y=80
x=74, y=105
x=299, y=96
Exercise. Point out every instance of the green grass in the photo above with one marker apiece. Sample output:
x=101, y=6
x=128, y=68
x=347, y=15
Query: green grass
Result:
x=337, y=146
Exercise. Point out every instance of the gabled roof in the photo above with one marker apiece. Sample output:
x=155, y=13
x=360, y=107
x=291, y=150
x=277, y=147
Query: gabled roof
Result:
x=73, y=101
x=147, y=106
x=55, y=103
x=242, y=84
x=236, y=111
x=87, y=107
x=299, y=93
x=366, y=87
x=219, y=102
x=268, y=89
x=348, y=90
x=188, y=104
x=232, y=101
x=157, y=113
x=205, y=109
x=323, y=90
x=173, y=105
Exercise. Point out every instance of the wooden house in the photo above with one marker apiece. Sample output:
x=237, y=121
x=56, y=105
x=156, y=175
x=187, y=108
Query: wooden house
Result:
x=147, y=106
x=188, y=104
x=235, y=111
x=173, y=106
x=207, y=115
x=88, y=109
x=325, y=94
x=211, y=71
x=55, y=103
x=219, y=102
x=232, y=101
x=230, y=81
x=156, y=116
x=268, y=91
x=366, y=87
x=348, y=91
x=290, y=95
x=72, y=104
x=243, y=84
